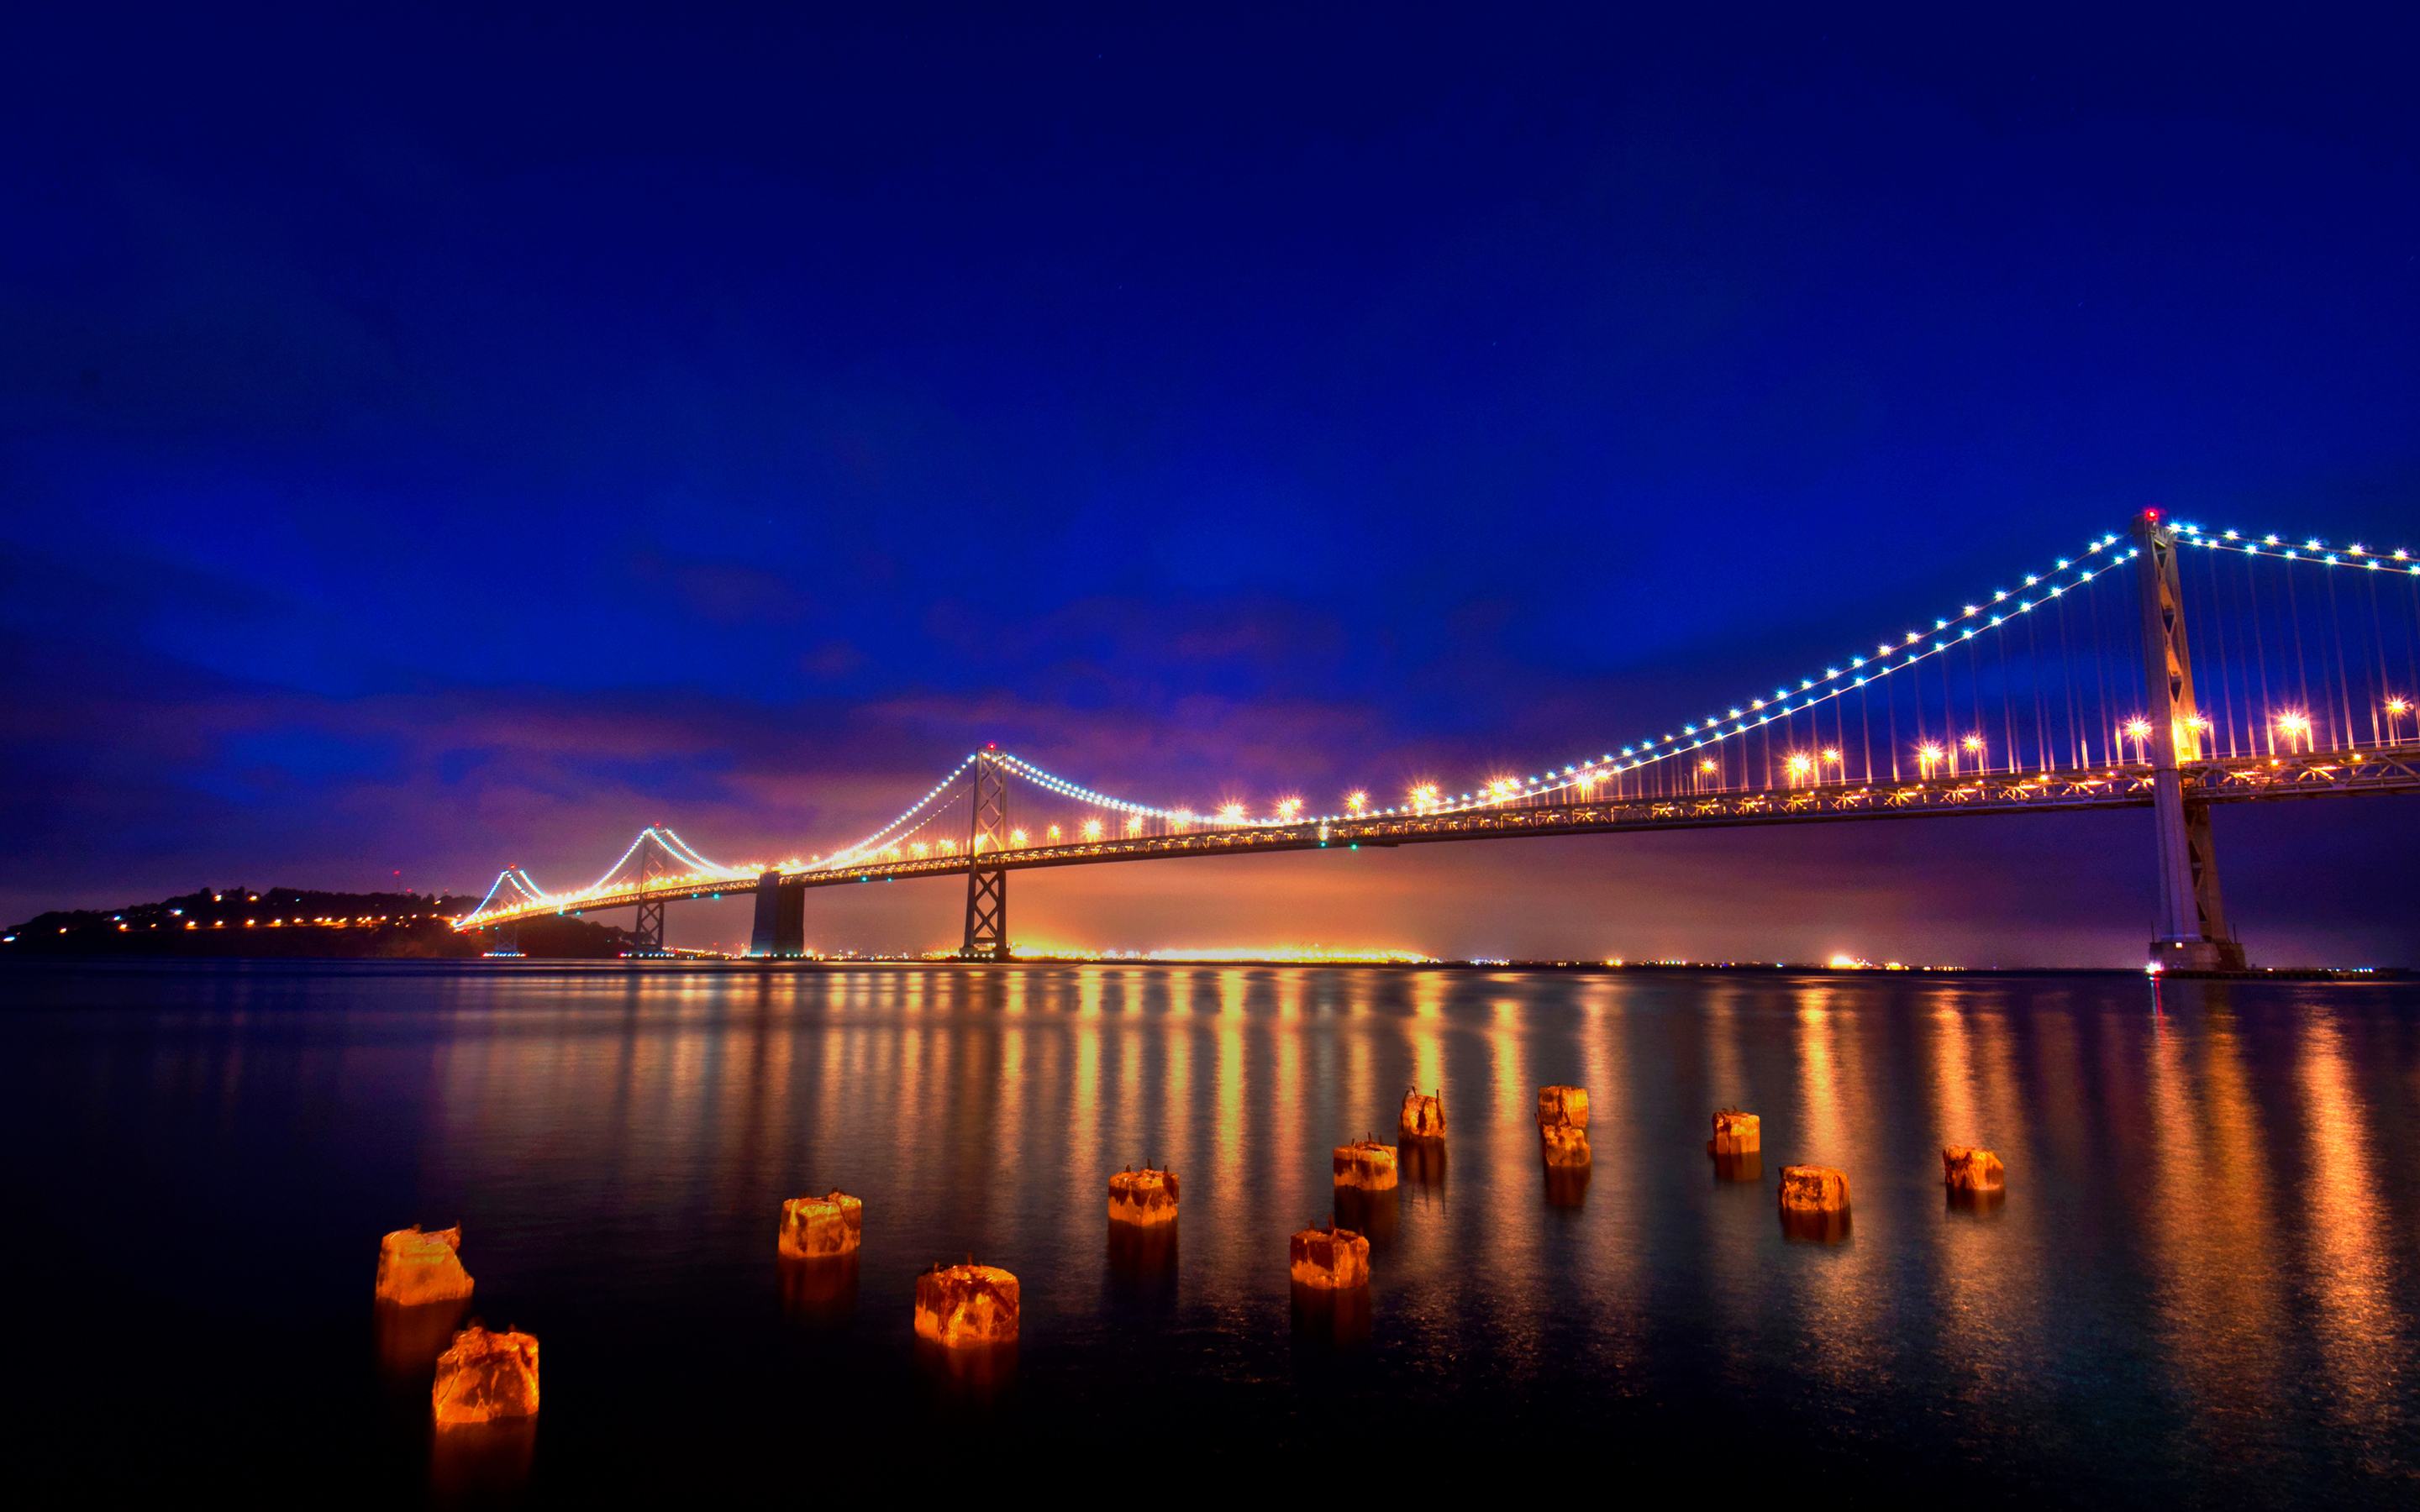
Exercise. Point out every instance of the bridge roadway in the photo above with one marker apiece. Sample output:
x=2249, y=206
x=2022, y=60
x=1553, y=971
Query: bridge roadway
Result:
x=2208, y=779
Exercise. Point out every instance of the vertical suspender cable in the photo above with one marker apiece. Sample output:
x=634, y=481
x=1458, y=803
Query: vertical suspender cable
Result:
x=2264, y=735
x=2302, y=671
x=2338, y=653
x=2041, y=717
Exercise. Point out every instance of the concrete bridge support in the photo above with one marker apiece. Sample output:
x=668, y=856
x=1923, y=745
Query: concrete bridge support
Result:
x=781, y=917
x=2193, y=936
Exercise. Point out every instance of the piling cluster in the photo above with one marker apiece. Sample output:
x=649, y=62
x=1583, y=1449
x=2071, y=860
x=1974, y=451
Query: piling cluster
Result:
x=421, y=1294
x=970, y=1310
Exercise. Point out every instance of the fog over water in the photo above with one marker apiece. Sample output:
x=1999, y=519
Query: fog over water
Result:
x=2200, y=1284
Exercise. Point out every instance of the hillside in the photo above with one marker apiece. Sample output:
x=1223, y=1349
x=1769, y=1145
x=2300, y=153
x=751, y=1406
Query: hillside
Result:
x=295, y=922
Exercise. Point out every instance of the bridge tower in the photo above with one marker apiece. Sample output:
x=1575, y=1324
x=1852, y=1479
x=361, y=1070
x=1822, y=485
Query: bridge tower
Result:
x=987, y=937
x=648, y=938
x=781, y=917
x=2193, y=921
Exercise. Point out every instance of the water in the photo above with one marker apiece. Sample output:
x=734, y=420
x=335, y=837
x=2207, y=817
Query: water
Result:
x=2201, y=1284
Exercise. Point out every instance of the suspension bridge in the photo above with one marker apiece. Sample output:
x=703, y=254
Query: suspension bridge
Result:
x=2073, y=687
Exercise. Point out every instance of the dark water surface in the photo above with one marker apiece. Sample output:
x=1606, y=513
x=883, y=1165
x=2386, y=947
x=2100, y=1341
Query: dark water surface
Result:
x=2201, y=1286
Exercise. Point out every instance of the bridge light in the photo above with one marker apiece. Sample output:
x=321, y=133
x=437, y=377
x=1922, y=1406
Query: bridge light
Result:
x=1356, y=802
x=1832, y=756
x=1232, y=814
x=1706, y=766
x=1092, y=830
x=1801, y=764
x=1288, y=807
x=1016, y=837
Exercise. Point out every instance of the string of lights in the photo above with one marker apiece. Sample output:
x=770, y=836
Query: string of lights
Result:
x=2313, y=550
x=1891, y=656
x=1855, y=671
x=874, y=841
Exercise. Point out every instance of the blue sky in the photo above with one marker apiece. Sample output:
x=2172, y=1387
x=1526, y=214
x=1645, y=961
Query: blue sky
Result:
x=434, y=437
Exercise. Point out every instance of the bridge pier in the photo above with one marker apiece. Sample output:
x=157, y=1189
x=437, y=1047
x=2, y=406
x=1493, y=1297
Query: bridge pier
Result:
x=2193, y=936
x=647, y=938
x=987, y=937
x=781, y=917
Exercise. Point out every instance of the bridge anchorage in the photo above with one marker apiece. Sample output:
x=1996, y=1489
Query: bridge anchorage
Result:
x=2064, y=690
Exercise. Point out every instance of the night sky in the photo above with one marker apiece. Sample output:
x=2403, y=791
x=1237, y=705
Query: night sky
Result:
x=432, y=439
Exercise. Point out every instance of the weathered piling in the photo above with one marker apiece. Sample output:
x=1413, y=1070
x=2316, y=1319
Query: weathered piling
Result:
x=486, y=1375
x=1973, y=1178
x=1143, y=1197
x=1563, y=1145
x=967, y=1306
x=1965, y=1169
x=1366, y=1163
x=1814, y=1203
x=1736, y=1134
x=819, y=1227
x=1422, y=1118
x=1737, y=1145
x=415, y=1268
x=1330, y=1258
x=1563, y=1107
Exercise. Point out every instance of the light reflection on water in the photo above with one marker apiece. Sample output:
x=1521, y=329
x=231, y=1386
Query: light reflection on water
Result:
x=2200, y=1279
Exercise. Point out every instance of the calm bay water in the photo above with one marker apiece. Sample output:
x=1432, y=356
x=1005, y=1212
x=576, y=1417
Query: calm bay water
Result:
x=2202, y=1284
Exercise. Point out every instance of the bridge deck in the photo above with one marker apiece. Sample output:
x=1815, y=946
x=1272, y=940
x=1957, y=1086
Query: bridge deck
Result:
x=2221, y=779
